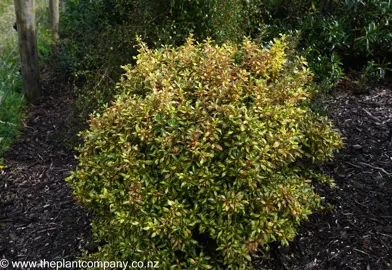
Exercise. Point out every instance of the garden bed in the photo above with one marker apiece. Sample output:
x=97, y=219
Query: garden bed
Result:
x=40, y=220
x=357, y=232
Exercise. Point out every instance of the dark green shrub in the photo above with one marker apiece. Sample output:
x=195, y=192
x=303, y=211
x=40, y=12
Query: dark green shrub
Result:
x=348, y=34
x=102, y=32
x=198, y=162
x=221, y=20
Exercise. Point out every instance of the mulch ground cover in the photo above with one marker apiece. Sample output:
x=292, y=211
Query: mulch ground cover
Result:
x=40, y=220
x=38, y=216
x=357, y=233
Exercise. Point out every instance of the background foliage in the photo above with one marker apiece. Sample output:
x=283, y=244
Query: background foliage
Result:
x=336, y=37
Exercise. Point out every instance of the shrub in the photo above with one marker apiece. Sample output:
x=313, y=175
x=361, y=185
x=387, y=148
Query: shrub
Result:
x=221, y=20
x=101, y=33
x=99, y=36
x=357, y=32
x=198, y=161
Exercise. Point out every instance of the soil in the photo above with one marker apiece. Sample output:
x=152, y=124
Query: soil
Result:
x=357, y=233
x=40, y=220
x=38, y=216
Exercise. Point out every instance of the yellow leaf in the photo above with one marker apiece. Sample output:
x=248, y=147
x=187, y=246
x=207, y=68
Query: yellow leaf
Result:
x=313, y=7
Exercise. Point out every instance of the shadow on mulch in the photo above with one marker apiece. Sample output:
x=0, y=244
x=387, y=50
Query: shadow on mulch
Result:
x=357, y=233
x=39, y=219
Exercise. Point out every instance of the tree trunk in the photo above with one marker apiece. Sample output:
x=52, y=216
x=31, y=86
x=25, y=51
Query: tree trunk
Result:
x=25, y=21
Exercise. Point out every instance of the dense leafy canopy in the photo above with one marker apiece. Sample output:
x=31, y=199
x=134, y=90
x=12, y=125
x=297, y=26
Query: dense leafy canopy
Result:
x=201, y=158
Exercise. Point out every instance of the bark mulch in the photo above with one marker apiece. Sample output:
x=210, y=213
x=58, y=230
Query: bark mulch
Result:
x=40, y=220
x=38, y=216
x=357, y=233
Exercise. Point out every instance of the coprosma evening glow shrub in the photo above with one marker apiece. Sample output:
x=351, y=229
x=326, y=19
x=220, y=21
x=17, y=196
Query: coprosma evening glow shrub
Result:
x=198, y=162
